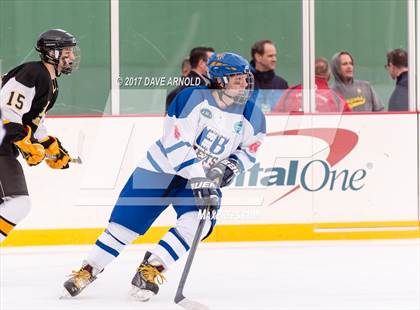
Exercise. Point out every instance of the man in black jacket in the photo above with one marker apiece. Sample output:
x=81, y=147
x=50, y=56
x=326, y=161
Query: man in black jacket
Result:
x=264, y=61
x=198, y=74
x=397, y=66
x=185, y=66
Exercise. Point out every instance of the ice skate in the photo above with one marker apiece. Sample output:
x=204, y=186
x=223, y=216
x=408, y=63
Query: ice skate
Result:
x=147, y=279
x=79, y=280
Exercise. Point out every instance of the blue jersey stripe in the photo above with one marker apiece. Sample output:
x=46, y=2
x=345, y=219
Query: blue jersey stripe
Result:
x=184, y=243
x=251, y=158
x=119, y=241
x=161, y=147
x=177, y=146
x=106, y=248
x=154, y=163
x=168, y=248
x=186, y=100
x=186, y=164
x=255, y=117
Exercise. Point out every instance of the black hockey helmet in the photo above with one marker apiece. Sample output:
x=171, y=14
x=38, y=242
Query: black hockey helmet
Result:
x=50, y=45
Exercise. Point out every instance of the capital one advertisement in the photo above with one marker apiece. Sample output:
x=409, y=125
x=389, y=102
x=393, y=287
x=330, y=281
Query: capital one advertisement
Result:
x=309, y=169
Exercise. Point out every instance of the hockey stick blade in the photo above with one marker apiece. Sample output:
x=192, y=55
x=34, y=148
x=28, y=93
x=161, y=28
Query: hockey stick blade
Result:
x=192, y=305
x=77, y=160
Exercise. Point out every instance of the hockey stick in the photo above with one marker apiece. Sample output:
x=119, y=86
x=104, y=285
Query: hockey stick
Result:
x=77, y=160
x=80, y=144
x=180, y=299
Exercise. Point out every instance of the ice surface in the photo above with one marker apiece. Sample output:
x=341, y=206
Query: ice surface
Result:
x=273, y=275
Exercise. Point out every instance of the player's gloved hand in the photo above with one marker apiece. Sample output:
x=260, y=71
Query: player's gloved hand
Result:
x=33, y=153
x=223, y=173
x=205, y=193
x=56, y=155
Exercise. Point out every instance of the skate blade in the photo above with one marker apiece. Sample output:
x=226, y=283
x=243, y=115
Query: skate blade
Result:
x=141, y=295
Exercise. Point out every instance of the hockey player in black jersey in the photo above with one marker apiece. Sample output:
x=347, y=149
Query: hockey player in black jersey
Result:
x=27, y=93
x=2, y=132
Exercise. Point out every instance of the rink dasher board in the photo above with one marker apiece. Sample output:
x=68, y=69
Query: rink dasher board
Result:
x=318, y=177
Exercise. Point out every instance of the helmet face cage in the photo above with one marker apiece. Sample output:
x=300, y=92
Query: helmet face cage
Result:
x=245, y=94
x=69, y=67
x=55, y=55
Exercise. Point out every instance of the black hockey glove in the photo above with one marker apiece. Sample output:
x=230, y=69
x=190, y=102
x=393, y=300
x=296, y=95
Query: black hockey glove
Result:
x=205, y=193
x=223, y=173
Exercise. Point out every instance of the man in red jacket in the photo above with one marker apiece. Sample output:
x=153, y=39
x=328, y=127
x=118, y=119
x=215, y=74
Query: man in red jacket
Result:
x=326, y=99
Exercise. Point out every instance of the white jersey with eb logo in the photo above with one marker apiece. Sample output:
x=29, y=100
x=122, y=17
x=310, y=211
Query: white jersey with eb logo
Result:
x=198, y=134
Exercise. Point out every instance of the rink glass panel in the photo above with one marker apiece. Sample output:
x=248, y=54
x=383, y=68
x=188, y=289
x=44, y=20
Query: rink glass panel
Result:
x=86, y=90
x=156, y=35
x=366, y=29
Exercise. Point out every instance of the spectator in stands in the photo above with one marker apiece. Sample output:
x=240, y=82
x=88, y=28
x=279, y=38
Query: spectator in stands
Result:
x=267, y=83
x=397, y=66
x=326, y=99
x=185, y=66
x=359, y=94
x=198, y=74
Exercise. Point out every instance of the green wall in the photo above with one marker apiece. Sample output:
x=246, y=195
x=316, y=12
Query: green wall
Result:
x=86, y=90
x=368, y=30
x=156, y=35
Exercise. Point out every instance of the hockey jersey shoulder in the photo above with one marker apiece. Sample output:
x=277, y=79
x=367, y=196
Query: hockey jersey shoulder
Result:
x=30, y=74
x=255, y=117
x=185, y=101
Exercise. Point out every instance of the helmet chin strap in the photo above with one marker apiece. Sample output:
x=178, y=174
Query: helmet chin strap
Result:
x=57, y=74
x=54, y=61
x=222, y=94
x=57, y=56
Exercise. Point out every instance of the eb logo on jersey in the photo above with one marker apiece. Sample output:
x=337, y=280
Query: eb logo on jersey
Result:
x=211, y=141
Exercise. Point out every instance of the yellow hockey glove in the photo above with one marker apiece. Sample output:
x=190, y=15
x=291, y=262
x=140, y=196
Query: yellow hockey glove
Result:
x=33, y=153
x=56, y=155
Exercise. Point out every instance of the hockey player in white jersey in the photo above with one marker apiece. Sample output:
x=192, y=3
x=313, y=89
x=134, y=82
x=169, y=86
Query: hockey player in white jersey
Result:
x=210, y=135
x=27, y=93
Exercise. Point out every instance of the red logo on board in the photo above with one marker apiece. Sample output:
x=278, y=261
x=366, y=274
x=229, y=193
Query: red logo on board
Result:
x=341, y=143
